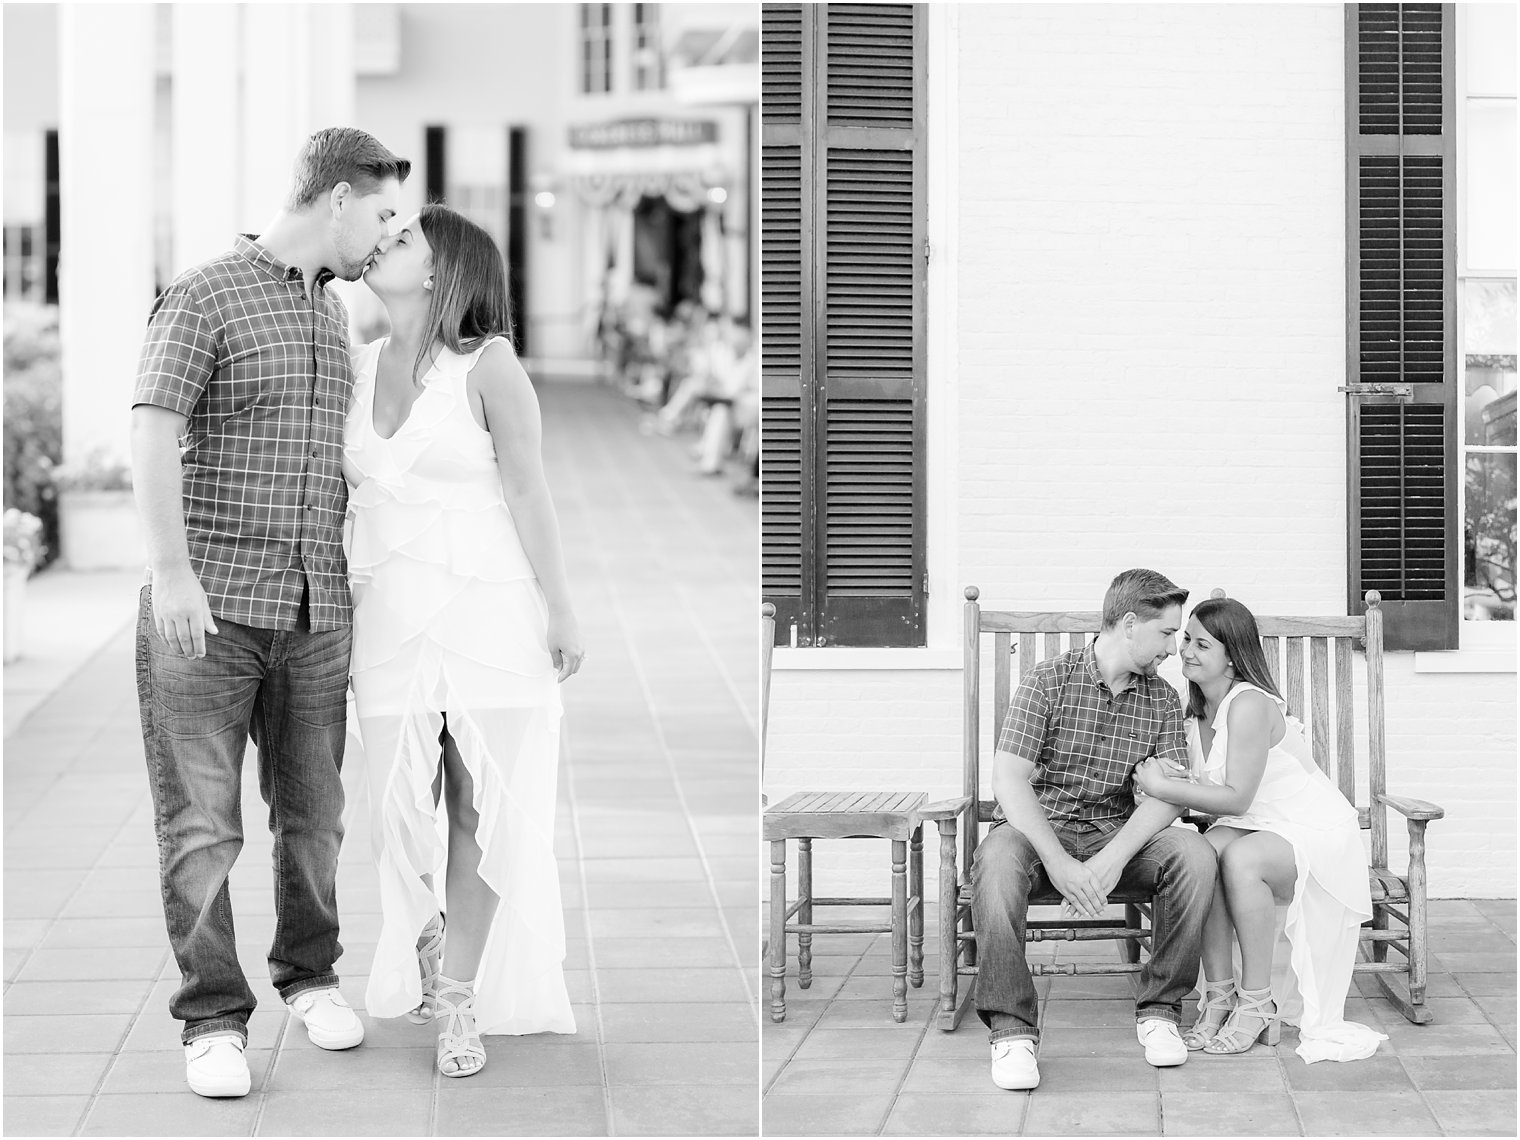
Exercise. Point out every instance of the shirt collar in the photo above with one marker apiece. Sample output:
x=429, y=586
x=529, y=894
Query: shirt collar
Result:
x=1139, y=681
x=247, y=246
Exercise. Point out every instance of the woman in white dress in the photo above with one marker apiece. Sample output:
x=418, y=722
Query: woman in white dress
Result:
x=1284, y=834
x=462, y=630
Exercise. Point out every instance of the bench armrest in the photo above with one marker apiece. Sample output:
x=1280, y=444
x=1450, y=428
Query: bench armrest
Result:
x=1412, y=808
x=944, y=809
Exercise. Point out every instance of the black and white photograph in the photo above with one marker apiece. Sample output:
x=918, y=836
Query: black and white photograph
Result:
x=1138, y=569
x=381, y=530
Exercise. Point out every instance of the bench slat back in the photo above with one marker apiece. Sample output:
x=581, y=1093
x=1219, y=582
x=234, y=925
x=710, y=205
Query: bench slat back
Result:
x=1299, y=652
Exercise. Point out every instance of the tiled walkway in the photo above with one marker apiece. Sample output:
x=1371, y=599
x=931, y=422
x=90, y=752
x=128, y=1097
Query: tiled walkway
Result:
x=838, y=1065
x=657, y=835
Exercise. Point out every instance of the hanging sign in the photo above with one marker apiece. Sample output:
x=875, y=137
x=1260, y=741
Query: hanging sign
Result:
x=643, y=132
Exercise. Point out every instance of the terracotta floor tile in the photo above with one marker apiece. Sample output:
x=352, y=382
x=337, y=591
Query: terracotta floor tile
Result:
x=1360, y=1113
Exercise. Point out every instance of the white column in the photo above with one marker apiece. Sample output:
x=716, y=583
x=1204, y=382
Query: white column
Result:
x=298, y=76
x=331, y=91
x=207, y=158
x=275, y=61
x=105, y=267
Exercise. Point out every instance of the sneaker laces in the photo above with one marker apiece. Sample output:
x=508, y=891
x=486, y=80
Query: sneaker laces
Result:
x=303, y=1002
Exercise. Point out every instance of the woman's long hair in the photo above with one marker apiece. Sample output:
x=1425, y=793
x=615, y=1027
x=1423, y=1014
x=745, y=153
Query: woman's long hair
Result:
x=1231, y=624
x=469, y=304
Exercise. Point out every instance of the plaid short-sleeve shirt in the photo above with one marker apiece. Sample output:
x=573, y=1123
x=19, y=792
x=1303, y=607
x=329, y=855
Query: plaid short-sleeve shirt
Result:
x=1085, y=742
x=263, y=376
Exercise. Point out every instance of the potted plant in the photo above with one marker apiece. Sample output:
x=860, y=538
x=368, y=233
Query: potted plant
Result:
x=23, y=550
x=97, y=518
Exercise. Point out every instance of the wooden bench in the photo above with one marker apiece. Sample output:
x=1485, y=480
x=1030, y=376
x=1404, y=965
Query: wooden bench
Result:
x=1300, y=652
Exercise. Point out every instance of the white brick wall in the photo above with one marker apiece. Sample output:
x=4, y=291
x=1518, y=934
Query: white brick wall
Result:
x=1150, y=334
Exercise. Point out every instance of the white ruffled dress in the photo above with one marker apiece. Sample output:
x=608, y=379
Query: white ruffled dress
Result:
x=1331, y=898
x=449, y=618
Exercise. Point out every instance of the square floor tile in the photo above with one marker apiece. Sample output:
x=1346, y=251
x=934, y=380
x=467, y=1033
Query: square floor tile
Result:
x=678, y=1021
x=834, y=1114
x=1070, y=1113
x=42, y=1115
x=83, y=997
x=65, y=1033
x=1204, y=1113
x=53, y=1074
x=1347, y=1113
x=991, y=1113
x=1481, y=1071
x=839, y=1075
x=482, y=1111
x=677, y=1110
x=1486, y=1112
x=711, y=1063
x=362, y=1112
x=899, y=1043
x=179, y=1113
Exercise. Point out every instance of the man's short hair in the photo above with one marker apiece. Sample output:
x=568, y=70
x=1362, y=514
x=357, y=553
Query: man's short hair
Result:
x=343, y=154
x=1144, y=593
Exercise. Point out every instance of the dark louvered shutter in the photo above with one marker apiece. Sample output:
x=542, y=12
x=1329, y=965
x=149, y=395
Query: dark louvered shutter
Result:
x=1401, y=312
x=844, y=321
x=786, y=517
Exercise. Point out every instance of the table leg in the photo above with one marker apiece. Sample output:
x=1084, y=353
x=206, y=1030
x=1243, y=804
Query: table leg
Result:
x=916, y=916
x=899, y=930
x=805, y=911
x=778, y=930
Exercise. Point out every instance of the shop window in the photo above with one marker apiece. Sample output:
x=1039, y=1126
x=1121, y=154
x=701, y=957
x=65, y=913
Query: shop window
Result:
x=596, y=49
x=648, y=58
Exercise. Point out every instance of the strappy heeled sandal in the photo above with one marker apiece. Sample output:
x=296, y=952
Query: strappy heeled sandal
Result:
x=1253, y=1006
x=1218, y=1002
x=458, y=1040
x=429, y=962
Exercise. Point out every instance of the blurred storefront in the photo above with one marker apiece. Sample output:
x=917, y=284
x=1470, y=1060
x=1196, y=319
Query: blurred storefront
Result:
x=600, y=144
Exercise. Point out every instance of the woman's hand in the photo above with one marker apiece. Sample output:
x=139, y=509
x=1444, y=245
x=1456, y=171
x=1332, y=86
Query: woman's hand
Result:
x=565, y=644
x=1153, y=777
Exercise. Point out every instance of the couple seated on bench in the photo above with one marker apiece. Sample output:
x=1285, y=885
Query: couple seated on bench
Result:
x=1095, y=760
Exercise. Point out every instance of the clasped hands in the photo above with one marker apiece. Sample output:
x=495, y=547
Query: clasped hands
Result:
x=1085, y=886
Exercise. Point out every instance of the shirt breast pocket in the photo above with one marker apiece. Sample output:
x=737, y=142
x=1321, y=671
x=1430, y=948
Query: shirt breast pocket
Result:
x=1131, y=747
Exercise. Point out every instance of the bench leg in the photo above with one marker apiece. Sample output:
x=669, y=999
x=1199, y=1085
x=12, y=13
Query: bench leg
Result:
x=949, y=897
x=1129, y=948
x=805, y=912
x=899, y=930
x=778, y=930
x=916, y=915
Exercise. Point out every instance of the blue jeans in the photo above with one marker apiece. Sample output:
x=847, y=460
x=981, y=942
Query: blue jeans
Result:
x=1177, y=864
x=287, y=690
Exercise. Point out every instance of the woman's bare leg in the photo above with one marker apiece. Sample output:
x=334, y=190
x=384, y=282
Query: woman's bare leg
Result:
x=1258, y=871
x=471, y=903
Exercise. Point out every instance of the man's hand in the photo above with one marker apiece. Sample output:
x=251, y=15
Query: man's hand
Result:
x=1082, y=888
x=181, y=613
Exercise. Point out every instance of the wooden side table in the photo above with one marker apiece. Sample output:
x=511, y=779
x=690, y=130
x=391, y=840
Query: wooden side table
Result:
x=806, y=816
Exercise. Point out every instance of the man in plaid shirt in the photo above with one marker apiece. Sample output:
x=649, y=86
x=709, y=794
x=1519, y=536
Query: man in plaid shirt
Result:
x=1067, y=820
x=244, y=625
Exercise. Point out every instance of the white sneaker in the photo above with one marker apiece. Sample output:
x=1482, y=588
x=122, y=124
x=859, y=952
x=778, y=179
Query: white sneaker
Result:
x=1013, y=1063
x=1163, y=1044
x=330, y=1021
x=215, y=1065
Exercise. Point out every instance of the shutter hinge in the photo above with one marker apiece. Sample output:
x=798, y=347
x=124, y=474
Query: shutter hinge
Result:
x=927, y=251
x=1403, y=392
x=926, y=583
